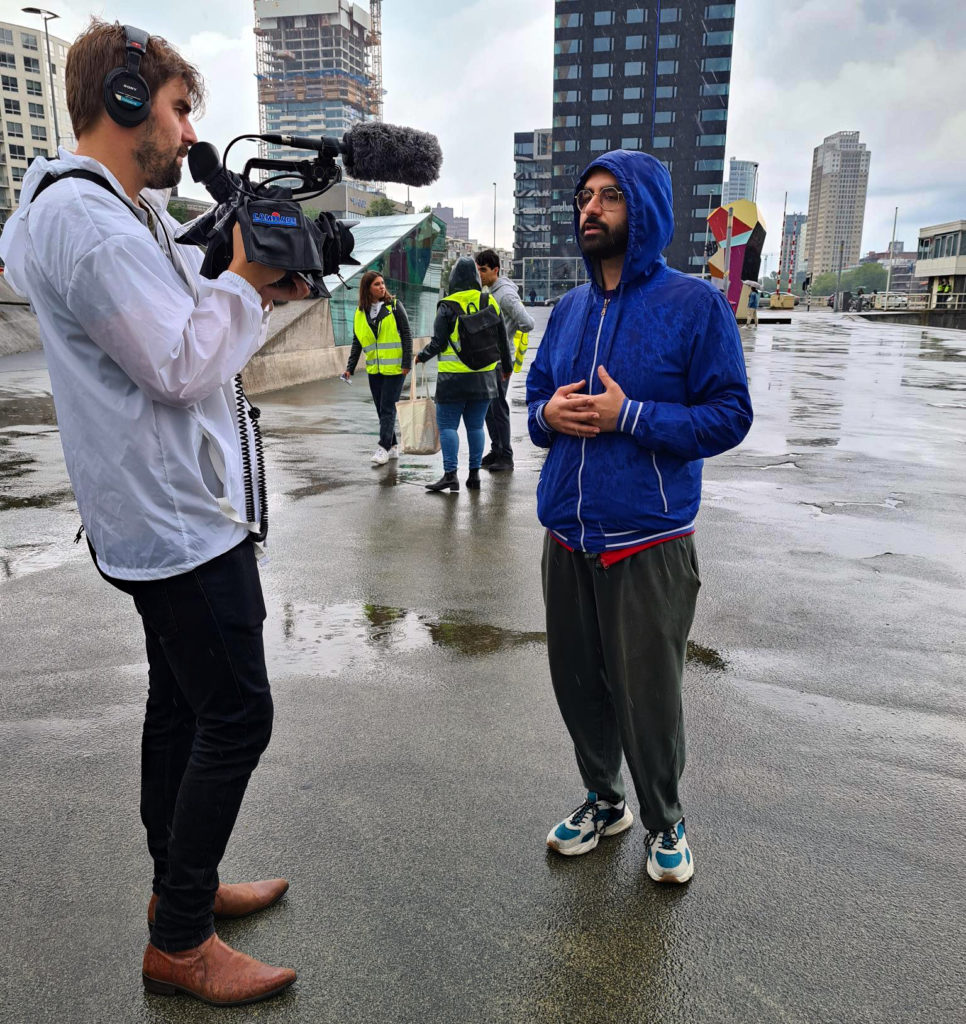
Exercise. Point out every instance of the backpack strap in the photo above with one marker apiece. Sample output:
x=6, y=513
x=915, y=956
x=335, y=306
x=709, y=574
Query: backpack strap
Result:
x=51, y=179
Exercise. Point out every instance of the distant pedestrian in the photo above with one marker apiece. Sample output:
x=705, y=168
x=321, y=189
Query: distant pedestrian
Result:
x=518, y=324
x=618, y=495
x=461, y=393
x=753, y=305
x=943, y=290
x=533, y=296
x=381, y=330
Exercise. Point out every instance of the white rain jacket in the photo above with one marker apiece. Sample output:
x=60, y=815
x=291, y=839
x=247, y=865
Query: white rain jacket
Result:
x=141, y=353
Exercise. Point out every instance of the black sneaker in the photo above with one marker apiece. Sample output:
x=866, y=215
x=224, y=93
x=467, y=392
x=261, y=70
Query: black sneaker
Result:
x=488, y=460
x=501, y=465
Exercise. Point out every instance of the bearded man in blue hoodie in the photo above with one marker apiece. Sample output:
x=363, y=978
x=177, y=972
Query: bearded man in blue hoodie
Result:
x=639, y=377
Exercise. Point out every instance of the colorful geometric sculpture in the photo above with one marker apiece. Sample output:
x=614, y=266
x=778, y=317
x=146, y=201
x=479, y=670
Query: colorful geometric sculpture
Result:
x=747, y=239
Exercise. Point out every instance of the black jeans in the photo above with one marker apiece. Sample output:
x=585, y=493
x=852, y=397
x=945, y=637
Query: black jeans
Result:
x=498, y=420
x=386, y=389
x=207, y=721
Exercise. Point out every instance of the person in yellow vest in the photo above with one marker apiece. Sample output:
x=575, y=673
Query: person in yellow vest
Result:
x=462, y=393
x=381, y=330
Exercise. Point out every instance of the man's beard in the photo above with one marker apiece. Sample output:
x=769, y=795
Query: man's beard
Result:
x=607, y=243
x=159, y=169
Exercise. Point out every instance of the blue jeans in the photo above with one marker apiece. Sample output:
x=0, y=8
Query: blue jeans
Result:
x=473, y=413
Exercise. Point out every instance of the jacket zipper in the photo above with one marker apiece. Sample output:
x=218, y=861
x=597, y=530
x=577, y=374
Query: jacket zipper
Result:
x=583, y=444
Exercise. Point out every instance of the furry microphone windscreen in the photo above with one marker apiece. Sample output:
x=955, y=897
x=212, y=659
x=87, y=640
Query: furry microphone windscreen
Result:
x=374, y=151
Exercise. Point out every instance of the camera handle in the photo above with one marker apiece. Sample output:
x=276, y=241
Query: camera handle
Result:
x=316, y=175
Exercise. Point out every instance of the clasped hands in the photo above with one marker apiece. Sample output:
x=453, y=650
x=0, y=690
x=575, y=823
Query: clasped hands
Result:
x=570, y=412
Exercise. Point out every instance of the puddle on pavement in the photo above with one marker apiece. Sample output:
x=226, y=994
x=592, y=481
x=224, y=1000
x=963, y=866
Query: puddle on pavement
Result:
x=24, y=559
x=328, y=640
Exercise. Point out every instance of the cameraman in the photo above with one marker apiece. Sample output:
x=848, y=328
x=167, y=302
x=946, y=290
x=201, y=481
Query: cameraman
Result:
x=141, y=352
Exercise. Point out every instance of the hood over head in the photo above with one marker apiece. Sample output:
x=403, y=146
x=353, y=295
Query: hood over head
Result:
x=646, y=185
x=464, y=276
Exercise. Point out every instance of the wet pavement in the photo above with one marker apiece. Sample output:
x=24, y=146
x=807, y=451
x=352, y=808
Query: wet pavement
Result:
x=418, y=760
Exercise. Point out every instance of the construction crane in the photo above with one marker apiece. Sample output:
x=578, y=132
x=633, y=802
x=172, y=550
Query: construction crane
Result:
x=374, y=61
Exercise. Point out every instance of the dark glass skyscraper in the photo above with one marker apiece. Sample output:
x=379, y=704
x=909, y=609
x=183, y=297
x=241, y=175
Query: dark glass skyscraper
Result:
x=651, y=76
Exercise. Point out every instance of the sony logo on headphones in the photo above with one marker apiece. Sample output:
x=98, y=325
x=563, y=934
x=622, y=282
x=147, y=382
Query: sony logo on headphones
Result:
x=274, y=218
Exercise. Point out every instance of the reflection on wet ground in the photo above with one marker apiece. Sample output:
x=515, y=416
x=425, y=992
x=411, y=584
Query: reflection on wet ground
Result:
x=326, y=640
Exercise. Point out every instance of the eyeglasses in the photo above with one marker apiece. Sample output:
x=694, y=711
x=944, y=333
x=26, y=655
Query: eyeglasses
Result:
x=610, y=197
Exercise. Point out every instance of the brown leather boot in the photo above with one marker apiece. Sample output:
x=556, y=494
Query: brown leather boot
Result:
x=239, y=900
x=214, y=973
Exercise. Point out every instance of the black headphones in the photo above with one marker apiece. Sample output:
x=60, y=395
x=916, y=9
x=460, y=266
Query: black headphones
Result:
x=127, y=97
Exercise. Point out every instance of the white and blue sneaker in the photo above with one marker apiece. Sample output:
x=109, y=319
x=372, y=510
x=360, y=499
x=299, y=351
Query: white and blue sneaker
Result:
x=581, y=830
x=668, y=855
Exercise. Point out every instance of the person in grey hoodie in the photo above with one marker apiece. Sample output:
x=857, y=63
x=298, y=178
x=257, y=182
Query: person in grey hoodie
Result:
x=518, y=321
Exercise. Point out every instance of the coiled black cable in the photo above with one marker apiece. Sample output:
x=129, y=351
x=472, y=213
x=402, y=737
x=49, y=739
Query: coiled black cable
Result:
x=249, y=413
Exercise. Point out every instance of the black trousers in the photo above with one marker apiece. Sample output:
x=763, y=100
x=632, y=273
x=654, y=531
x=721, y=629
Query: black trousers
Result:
x=498, y=420
x=386, y=389
x=616, y=640
x=208, y=719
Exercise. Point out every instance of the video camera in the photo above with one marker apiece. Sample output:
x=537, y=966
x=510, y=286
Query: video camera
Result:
x=273, y=224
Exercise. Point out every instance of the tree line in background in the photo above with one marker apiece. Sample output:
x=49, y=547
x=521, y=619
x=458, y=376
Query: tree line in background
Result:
x=871, y=277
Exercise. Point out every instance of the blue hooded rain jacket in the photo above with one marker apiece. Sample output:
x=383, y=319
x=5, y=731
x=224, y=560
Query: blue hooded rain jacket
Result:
x=672, y=344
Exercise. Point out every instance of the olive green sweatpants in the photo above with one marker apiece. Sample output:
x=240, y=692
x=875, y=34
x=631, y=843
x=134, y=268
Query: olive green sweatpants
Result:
x=616, y=639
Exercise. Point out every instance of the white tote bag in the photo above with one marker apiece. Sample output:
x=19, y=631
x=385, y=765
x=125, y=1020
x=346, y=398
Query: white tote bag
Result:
x=418, y=432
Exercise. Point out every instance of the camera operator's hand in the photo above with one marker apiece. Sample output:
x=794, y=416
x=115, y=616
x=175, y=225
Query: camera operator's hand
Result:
x=263, y=279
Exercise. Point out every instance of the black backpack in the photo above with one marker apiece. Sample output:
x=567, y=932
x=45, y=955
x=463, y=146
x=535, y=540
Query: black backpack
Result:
x=478, y=333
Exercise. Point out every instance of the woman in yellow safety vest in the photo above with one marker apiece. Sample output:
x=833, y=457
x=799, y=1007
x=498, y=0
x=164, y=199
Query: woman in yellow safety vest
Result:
x=381, y=330
x=462, y=393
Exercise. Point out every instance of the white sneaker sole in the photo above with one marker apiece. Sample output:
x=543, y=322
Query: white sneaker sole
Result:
x=622, y=825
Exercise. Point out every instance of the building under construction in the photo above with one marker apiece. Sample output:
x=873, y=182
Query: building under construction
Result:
x=319, y=67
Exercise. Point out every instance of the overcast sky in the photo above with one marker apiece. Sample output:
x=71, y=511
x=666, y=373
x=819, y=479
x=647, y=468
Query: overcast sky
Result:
x=475, y=71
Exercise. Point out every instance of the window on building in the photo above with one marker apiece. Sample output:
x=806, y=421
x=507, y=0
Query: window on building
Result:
x=598, y=145
x=601, y=95
x=15, y=129
x=34, y=109
x=663, y=141
x=719, y=11
x=6, y=37
x=664, y=117
x=631, y=143
x=40, y=151
x=603, y=17
x=668, y=42
x=710, y=140
x=636, y=16
x=563, y=121
x=670, y=14
x=667, y=67
x=565, y=146
x=18, y=153
x=718, y=38
x=11, y=106
x=8, y=60
x=632, y=117
x=9, y=83
x=716, y=64
x=603, y=70
x=632, y=92
x=29, y=41
x=34, y=88
x=709, y=165
x=564, y=71
x=31, y=65
x=697, y=261
x=665, y=92
x=633, y=68
x=706, y=190
x=699, y=236
x=567, y=46
x=715, y=88
x=568, y=21
x=599, y=119
x=714, y=115
x=38, y=133
x=566, y=96
x=17, y=173
x=633, y=42
x=603, y=44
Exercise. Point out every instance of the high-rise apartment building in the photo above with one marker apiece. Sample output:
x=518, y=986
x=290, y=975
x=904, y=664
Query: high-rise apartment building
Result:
x=319, y=68
x=456, y=227
x=791, y=258
x=531, y=193
x=644, y=75
x=742, y=181
x=28, y=119
x=836, y=202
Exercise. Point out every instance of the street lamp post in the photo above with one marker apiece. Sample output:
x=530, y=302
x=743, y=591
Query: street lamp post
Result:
x=48, y=16
x=494, y=216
